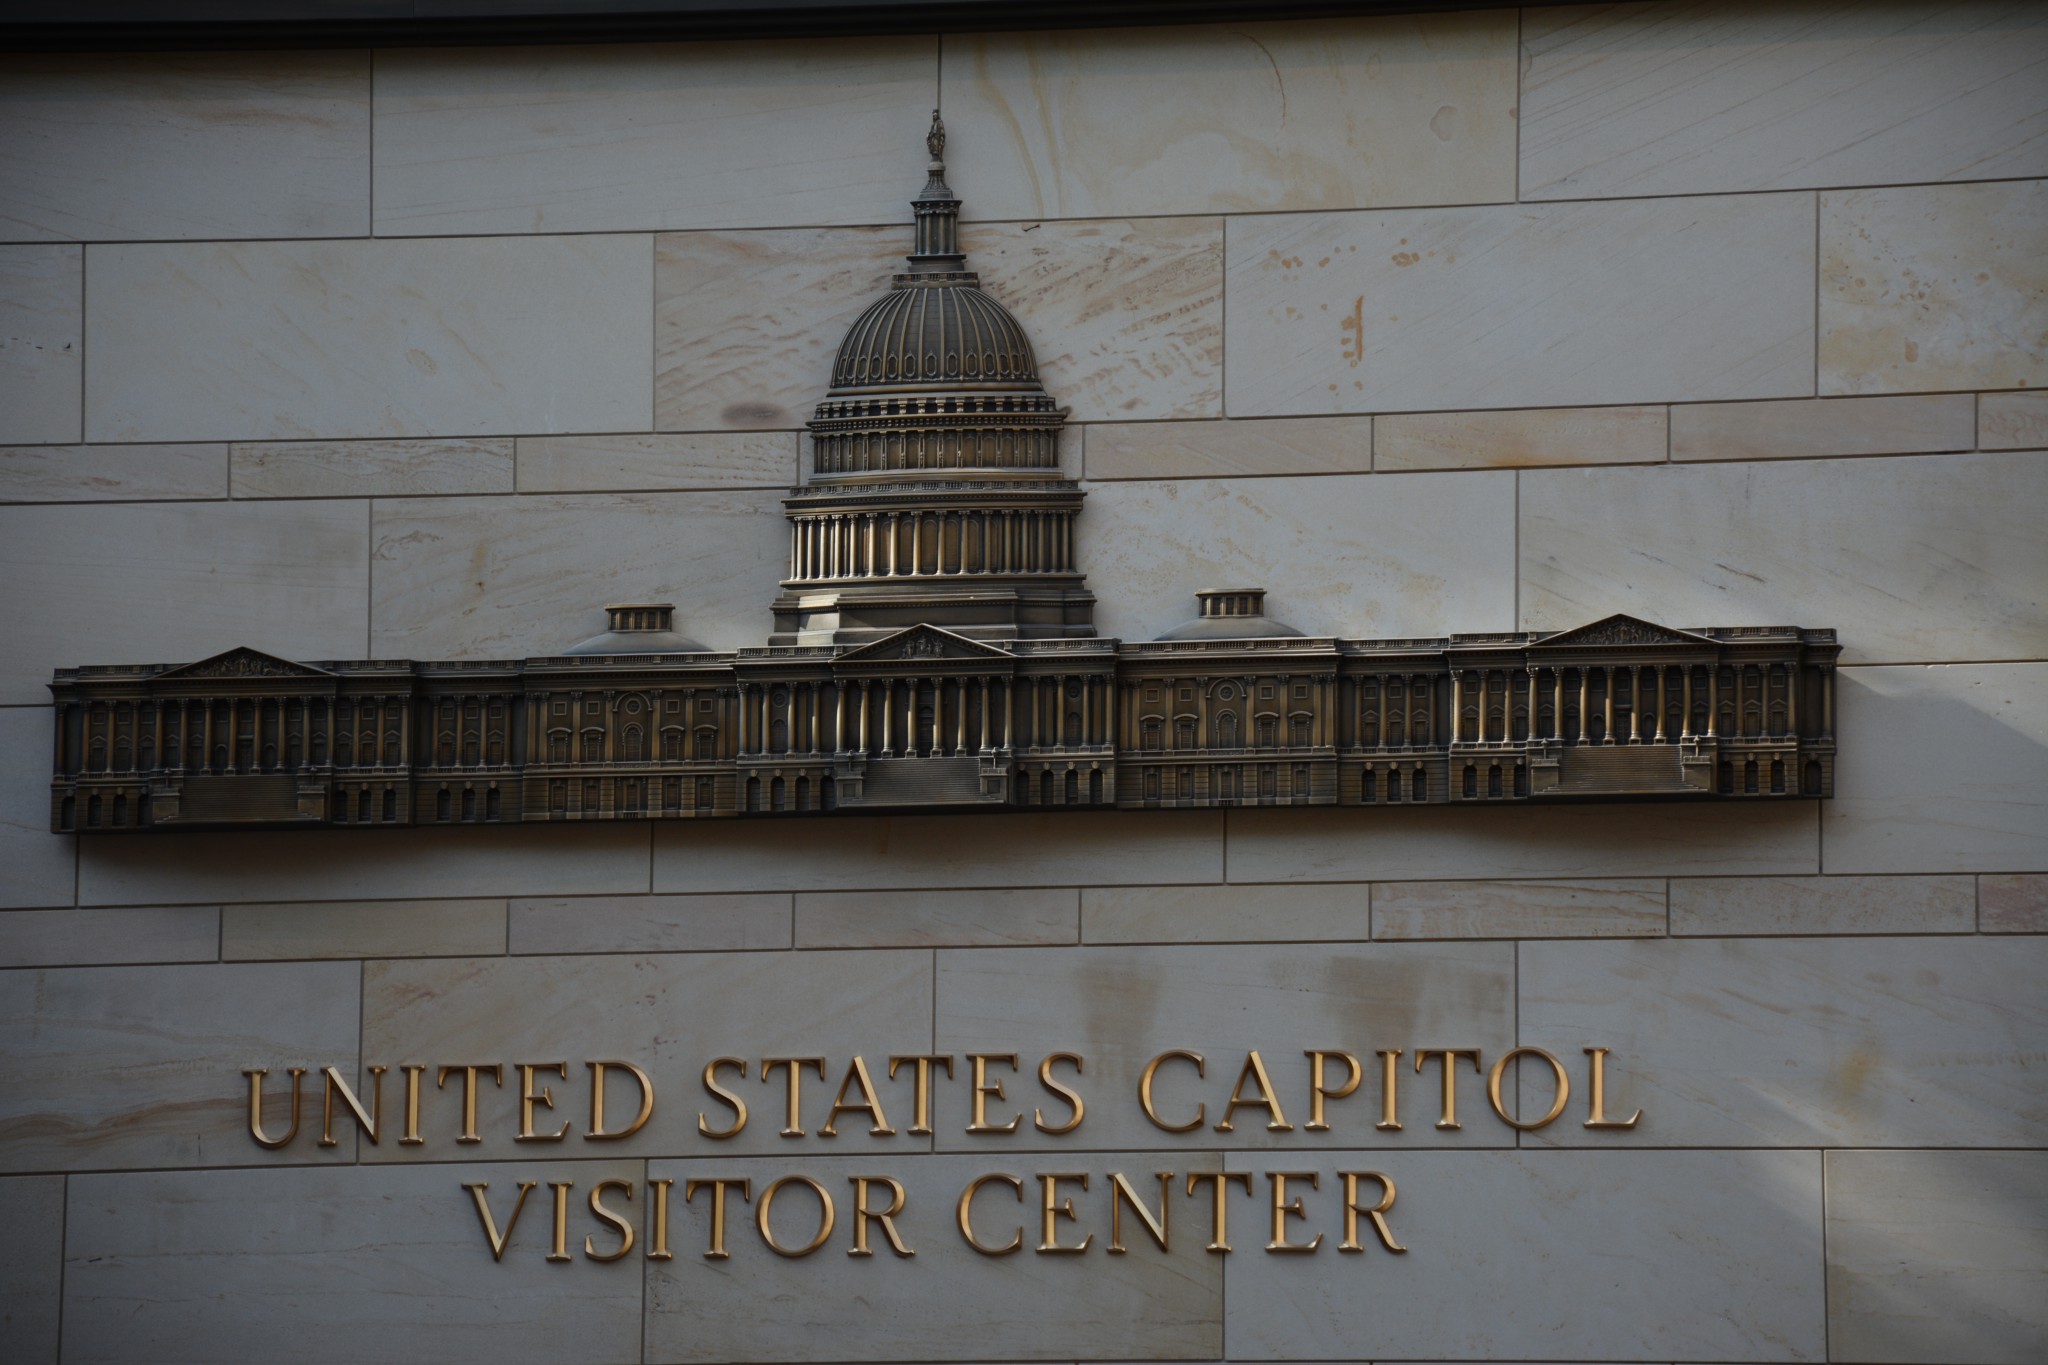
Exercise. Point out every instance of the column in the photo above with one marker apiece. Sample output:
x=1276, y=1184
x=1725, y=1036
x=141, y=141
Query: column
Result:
x=839, y=715
x=1685, y=703
x=1635, y=704
x=985, y=697
x=960, y=689
x=895, y=522
x=1792, y=700
x=1534, y=715
x=1663, y=707
x=1010, y=711
x=871, y=523
x=888, y=715
x=817, y=704
x=1202, y=713
x=157, y=734
x=1384, y=680
x=917, y=543
x=1607, y=704
x=1557, y=703
x=1457, y=706
x=1322, y=721
x=1714, y=700
x=280, y=733
x=1827, y=702
x=206, y=744
x=611, y=728
x=864, y=709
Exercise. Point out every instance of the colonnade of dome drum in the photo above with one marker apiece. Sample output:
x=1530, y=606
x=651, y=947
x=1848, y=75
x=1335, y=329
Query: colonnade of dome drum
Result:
x=1012, y=432
x=937, y=544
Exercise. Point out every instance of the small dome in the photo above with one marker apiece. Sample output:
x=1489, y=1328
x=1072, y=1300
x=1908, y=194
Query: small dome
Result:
x=1230, y=614
x=638, y=628
x=934, y=330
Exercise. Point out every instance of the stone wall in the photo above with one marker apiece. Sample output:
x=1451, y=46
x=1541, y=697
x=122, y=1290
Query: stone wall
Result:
x=1716, y=314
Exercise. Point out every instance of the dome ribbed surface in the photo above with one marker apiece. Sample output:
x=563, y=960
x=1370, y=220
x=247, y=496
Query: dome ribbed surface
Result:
x=934, y=333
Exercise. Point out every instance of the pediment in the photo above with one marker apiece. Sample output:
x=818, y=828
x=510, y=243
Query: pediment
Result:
x=242, y=662
x=927, y=643
x=1621, y=629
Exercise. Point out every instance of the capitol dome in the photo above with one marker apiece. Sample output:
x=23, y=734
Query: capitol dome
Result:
x=934, y=330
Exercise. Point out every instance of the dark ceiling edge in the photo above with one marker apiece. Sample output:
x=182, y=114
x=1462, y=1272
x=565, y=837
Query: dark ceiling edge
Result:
x=140, y=25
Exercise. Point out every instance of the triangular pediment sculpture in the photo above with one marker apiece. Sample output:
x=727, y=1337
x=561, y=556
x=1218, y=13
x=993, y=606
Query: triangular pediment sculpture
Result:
x=924, y=642
x=1622, y=629
x=243, y=662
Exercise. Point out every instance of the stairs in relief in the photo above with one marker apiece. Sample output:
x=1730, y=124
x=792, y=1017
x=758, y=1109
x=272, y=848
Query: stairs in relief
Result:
x=923, y=782
x=1619, y=769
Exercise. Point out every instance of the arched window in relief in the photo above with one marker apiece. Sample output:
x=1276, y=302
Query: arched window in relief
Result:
x=633, y=744
x=1226, y=730
x=1419, y=786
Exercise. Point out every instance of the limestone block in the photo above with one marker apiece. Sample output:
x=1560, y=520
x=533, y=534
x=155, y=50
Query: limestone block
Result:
x=1352, y=556
x=32, y=1266
x=949, y=1302
x=1518, y=439
x=1909, y=559
x=1823, y=905
x=930, y=919
x=83, y=936
x=126, y=473
x=137, y=583
x=383, y=469
x=330, y=340
x=42, y=868
x=1620, y=908
x=651, y=924
x=1938, y=1258
x=274, y=866
x=507, y=578
x=1428, y=843
x=1934, y=287
x=180, y=145
x=1811, y=428
x=692, y=460
x=1474, y=1223
x=41, y=342
x=1118, y=1008
x=344, y=1265
x=670, y=1015
x=1188, y=450
x=1317, y=114
x=2012, y=421
x=609, y=139
x=1957, y=783
x=938, y=851
x=1621, y=100
x=116, y=1068
x=1125, y=317
x=283, y=932
x=1515, y=306
x=1222, y=914
x=1796, y=1042
x=2012, y=903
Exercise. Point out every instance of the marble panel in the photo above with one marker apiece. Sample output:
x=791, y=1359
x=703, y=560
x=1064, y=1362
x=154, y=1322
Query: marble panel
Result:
x=1125, y=317
x=1934, y=287
x=1812, y=428
x=1745, y=1286
x=1190, y=450
x=1526, y=305
x=113, y=1068
x=670, y=1015
x=1330, y=113
x=365, y=469
x=1336, y=844
x=951, y=1302
x=1734, y=95
x=650, y=135
x=167, y=146
x=1938, y=1258
x=1357, y=556
x=1956, y=785
x=1909, y=559
x=689, y=460
x=1222, y=914
x=42, y=868
x=1821, y=1042
x=280, y=341
x=1621, y=908
x=931, y=919
x=651, y=924
x=1519, y=439
x=31, y=1266
x=42, y=346
x=1823, y=905
x=1118, y=1008
x=917, y=852
x=284, y=932
x=344, y=1265
x=2012, y=421
x=2012, y=903
x=508, y=578
x=138, y=583
x=85, y=936
x=112, y=473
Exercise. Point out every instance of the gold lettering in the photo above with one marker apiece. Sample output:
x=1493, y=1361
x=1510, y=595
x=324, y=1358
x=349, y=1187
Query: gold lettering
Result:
x=1052, y=1208
x=483, y=1211
x=497, y=1070
x=1318, y=1092
x=625, y=1229
x=886, y=1217
x=1219, y=1235
x=544, y=1098
x=1564, y=1087
x=1390, y=1094
x=657, y=1221
x=825, y=1219
x=367, y=1122
x=793, y=1101
x=1072, y=1098
x=1255, y=1069
x=1597, y=1095
x=1284, y=1208
x=561, y=1190
x=1145, y=1091
x=1121, y=1193
x=1450, y=1056
x=412, y=1136
x=256, y=1076
x=963, y=1213
x=869, y=1103
x=597, y=1131
x=984, y=1087
x=718, y=1188
x=1377, y=1212
x=923, y=1080
x=731, y=1099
